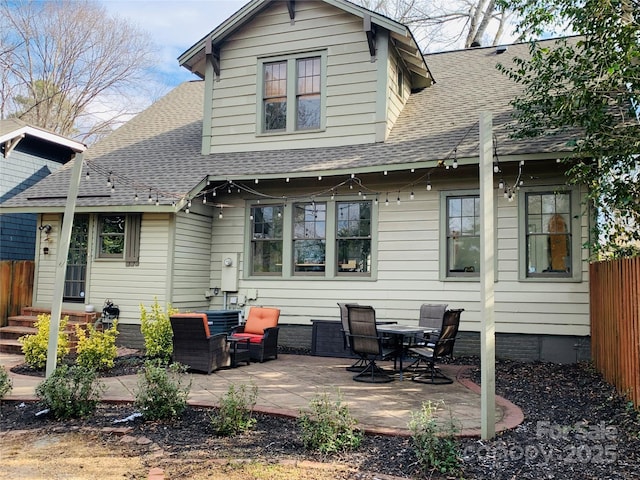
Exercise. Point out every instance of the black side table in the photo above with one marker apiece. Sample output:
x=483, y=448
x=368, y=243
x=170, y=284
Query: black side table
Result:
x=241, y=354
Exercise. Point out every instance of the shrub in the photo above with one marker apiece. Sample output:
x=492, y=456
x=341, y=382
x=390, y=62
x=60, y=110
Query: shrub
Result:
x=35, y=346
x=5, y=382
x=71, y=392
x=161, y=391
x=234, y=414
x=156, y=330
x=96, y=350
x=436, y=447
x=329, y=426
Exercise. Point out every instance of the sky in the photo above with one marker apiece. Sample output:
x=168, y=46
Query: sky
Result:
x=174, y=26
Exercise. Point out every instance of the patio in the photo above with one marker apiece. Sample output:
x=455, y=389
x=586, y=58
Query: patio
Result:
x=287, y=385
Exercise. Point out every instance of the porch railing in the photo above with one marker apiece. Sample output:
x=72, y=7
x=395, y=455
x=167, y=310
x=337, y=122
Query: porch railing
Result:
x=615, y=323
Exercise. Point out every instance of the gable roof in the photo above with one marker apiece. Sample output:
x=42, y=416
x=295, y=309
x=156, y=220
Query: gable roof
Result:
x=401, y=36
x=158, y=151
x=13, y=129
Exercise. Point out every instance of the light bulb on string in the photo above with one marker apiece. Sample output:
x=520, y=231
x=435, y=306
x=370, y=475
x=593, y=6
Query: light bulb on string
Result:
x=455, y=158
x=213, y=193
x=157, y=200
x=135, y=197
x=113, y=188
x=385, y=172
x=88, y=175
x=386, y=200
x=220, y=214
x=319, y=177
x=256, y=181
x=413, y=170
x=376, y=200
x=287, y=179
x=429, y=182
x=412, y=196
x=501, y=184
x=204, y=199
x=398, y=199
x=109, y=180
x=150, y=199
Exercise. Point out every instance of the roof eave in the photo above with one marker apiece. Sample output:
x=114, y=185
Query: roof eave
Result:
x=77, y=147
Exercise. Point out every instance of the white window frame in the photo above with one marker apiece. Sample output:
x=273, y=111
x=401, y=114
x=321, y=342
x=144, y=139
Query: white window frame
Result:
x=576, y=235
x=292, y=110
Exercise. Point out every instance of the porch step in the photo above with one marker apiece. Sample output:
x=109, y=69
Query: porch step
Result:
x=13, y=333
x=10, y=346
x=22, y=321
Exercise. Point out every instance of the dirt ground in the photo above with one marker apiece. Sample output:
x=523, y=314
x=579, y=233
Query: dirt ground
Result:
x=33, y=455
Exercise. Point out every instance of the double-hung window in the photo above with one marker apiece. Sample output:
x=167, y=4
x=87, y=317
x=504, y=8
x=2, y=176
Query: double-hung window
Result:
x=461, y=234
x=266, y=239
x=549, y=233
x=353, y=237
x=309, y=237
x=292, y=93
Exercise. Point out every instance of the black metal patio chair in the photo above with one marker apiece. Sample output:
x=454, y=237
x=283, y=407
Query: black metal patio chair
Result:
x=359, y=364
x=366, y=342
x=425, y=368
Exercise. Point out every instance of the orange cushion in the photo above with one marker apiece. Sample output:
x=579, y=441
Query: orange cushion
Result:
x=252, y=337
x=196, y=316
x=260, y=318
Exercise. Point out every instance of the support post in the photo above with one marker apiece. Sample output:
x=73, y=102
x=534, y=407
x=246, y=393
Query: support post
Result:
x=487, y=278
x=61, y=263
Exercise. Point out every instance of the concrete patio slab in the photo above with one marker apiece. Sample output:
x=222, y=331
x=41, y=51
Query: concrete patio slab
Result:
x=288, y=384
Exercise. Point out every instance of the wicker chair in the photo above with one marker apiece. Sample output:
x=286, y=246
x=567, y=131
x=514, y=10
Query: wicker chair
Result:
x=367, y=344
x=425, y=365
x=194, y=346
x=261, y=328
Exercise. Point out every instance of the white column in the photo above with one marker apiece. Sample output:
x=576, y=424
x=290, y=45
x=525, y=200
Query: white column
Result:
x=61, y=263
x=487, y=277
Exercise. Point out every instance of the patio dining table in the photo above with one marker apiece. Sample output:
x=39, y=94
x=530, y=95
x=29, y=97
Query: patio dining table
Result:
x=400, y=332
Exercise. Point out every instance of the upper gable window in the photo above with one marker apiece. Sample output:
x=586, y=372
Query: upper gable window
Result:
x=292, y=92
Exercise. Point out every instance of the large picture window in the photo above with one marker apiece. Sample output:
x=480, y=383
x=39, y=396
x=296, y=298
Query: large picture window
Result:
x=292, y=93
x=266, y=240
x=353, y=237
x=462, y=235
x=309, y=237
x=548, y=234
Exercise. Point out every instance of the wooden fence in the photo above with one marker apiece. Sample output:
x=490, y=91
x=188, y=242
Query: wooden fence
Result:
x=16, y=287
x=615, y=323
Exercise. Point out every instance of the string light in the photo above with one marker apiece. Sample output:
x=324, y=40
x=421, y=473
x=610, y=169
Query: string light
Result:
x=157, y=200
x=398, y=199
x=428, y=182
x=455, y=158
x=150, y=199
x=135, y=197
x=412, y=196
x=88, y=175
x=220, y=214
x=109, y=180
x=501, y=184
x=386, y=200
x=256, y=181
x=113, y=187
x=204, y=199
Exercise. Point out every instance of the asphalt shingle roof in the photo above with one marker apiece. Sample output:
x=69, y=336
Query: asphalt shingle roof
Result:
x=160, y=147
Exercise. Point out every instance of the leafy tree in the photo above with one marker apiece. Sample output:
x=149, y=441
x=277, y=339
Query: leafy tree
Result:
x=587, y=86
x=69, y=66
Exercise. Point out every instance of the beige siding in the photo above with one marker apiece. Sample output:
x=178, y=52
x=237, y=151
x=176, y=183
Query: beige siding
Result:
x=190, y=278
x=350, y=81
x=128, y=287
x=408, y=274
x=396, y=101
x=111, y=279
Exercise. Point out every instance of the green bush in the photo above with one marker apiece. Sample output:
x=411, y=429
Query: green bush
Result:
x=156, y=330
x=162, y=393
x=436, y=447
x=71, y=392
x=234, y=414
x=5, y=382
x=96, y=350
x=329, y=426
x=35, y=346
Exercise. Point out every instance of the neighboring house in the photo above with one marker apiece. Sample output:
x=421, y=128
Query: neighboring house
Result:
x=27, y=155
x=316, y=163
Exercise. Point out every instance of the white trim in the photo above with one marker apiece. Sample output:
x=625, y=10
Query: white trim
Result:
x=44, y=135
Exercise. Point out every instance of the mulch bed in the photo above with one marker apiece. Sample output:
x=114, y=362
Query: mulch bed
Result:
x=576, y=427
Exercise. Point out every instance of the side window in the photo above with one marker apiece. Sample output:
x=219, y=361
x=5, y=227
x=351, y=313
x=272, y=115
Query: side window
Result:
x=353, y=237
x=462, y=236
x=266, y=239
x=400, y=82
x=309, y=237
x=548, y=234
x=111, y=230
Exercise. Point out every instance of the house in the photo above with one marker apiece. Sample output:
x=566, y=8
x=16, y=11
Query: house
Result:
x=27, y=155
x=322, y=158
